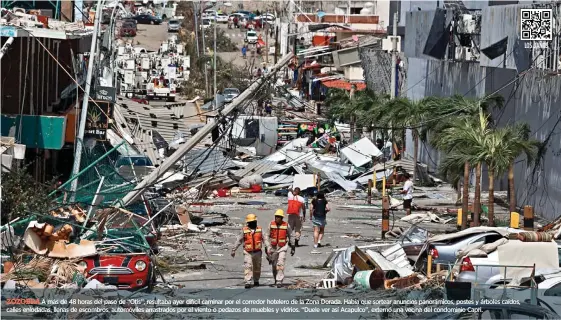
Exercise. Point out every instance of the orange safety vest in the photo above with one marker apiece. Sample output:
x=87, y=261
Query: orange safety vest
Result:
x=294, y=206
x=252, y=241
x=278, y=233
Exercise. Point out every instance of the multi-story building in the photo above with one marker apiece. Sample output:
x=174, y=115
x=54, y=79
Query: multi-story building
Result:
x=39, y=94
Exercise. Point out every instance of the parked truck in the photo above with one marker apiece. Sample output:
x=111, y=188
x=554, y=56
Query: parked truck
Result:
x=161, y=87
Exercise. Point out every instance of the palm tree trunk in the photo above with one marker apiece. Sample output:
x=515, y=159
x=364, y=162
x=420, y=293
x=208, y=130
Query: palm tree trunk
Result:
x=491, y=197
x=477, y=197
x=459, y=192
x=512, y=200
x=465, y=197
x=415, y=152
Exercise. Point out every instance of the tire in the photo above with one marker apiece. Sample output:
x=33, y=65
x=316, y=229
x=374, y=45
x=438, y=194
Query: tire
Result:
x=152, y=22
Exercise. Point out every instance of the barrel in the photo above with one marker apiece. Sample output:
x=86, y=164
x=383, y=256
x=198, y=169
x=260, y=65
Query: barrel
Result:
x=371, y=279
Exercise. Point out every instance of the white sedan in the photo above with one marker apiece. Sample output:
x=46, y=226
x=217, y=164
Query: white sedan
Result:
x=221, y=18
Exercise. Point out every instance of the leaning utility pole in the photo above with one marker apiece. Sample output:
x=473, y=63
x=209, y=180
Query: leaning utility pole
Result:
x=153, y=177
x=204, y=54
x=267, y=43
x=84, y=112
x=214, y=52
x=196, y=14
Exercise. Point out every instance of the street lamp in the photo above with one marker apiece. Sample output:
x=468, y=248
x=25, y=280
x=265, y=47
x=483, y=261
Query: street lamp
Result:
x=226, y=4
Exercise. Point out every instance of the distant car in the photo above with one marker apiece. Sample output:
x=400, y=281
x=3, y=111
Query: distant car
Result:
x=205, y=24
x=147, y=19
x=221, y=18
x=501, y=311
x=130, y=23
x=251, y=37
x=174, y=26
x=230, y=94
x=128, y=28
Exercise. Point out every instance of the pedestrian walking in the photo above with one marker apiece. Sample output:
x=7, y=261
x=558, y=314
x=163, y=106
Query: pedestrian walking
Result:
x=408, y=193
x=244, y=52
x=277, y=240
x=236, y=22
x=259, y=73
x=318, y=212
x=252, y=239
x=296, y=213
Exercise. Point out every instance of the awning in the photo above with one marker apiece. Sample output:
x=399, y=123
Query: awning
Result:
x=344, y=84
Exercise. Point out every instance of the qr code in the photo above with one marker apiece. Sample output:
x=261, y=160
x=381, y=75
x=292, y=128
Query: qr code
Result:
x=536, y=24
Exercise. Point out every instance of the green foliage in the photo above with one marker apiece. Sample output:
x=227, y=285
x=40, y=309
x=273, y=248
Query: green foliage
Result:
x=21, y=195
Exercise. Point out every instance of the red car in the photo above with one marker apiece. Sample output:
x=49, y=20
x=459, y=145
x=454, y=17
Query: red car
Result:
x=128, y=32
x=127, y=271
x=127, y=264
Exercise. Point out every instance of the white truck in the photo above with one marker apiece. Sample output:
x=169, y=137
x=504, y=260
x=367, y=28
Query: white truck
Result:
x=161, y=87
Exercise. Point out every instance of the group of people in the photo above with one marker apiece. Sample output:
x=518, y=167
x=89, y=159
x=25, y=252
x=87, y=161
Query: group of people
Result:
x=280, y=236
x=258, y=50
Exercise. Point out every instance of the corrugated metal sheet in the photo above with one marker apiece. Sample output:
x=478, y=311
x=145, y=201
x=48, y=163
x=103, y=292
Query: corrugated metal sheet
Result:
x=259, y=167
x=207, y=160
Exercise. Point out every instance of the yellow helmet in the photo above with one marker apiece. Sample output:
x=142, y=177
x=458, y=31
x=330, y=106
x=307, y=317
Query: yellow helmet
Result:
x=279, y=213
x=250, y=217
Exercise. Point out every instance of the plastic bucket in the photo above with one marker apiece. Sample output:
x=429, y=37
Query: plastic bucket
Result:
x=371, y=279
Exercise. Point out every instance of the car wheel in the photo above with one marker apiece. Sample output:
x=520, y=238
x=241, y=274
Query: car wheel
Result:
x=151, y=22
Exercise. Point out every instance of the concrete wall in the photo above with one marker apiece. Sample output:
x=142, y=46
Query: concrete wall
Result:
x=535, y=99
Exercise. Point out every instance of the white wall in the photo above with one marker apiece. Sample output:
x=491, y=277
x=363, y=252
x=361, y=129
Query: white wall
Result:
x=354, y=73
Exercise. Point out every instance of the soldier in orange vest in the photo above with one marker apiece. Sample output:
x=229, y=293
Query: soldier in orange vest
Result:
x=277, y=241
x=252, y=239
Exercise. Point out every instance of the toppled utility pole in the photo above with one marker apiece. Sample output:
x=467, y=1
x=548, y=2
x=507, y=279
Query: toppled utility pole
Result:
x=203, y=132
x=84, y=111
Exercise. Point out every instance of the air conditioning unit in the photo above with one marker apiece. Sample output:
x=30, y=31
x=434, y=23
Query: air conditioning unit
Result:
x=387, y=44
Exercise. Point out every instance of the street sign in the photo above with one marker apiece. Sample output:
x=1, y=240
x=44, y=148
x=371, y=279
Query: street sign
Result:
x=105, y=94
x=97, y=121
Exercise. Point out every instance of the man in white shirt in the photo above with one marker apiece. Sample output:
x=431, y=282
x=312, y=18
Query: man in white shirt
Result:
x=296, y=213
x=408, y=193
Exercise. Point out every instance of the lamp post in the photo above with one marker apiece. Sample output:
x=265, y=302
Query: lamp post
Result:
x=215, y=90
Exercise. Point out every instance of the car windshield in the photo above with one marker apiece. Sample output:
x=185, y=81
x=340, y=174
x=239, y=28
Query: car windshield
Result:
x=136, y=161
x=206, y=22
x=252, y=34
x=231, y=91
x=173, y=22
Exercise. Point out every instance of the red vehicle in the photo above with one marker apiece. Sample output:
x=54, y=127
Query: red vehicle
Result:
x=127, y=32
x=126, y=271
x=128, y=264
